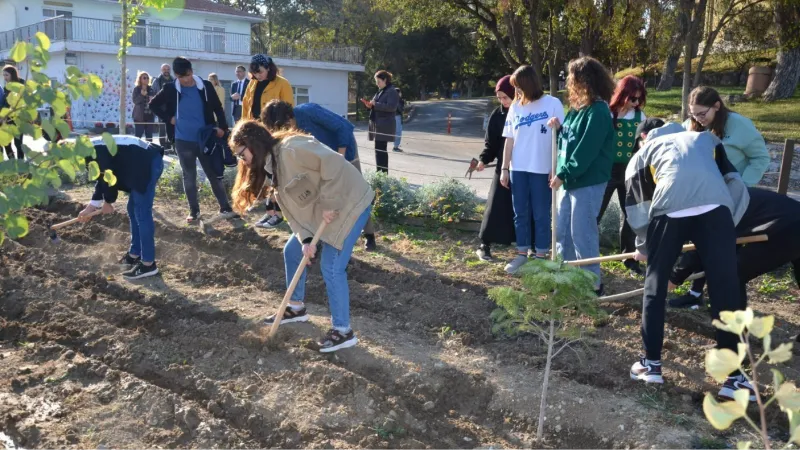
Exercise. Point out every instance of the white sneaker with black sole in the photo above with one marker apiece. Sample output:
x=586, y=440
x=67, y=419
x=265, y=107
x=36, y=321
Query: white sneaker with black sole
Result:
x=140, y=271
x=647, y=371
x=289, y=316
x=335, y=340
x=736, y=383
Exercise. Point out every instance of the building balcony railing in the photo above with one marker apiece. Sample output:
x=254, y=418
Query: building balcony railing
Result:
x=157, y=36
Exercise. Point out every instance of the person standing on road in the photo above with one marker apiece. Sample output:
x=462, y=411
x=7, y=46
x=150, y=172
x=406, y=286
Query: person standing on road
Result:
x=159, y=82
x=142, y=115
x=626, y=105
x=401, y=106
x=527, y=163
x=137, y=165
x=744, y=145
x=313, y=184
x=238, y=88
x=187, y=106
x=498, y=218
x=382, y=122
x=585, y=157
x=327, y=127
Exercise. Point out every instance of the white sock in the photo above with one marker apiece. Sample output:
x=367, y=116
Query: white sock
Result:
x=695, y=294
x=296, y=307
x=648, y=362
x=342, y=331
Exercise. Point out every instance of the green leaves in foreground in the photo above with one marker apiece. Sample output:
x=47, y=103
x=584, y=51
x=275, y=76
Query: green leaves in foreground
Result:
x=24, y=184
x=721, y=362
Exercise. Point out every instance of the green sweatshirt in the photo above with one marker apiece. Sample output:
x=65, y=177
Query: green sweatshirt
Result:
x=745, y=148
x=585, y=146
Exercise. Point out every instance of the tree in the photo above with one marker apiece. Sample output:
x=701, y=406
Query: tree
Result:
x=730, y=10
x=131, y=10
x=24, y=184
x=787, y=72
x=680, y=28
x=694, y=11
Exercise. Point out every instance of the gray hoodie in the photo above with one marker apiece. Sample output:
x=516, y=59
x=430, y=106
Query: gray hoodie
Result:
x=676, y=170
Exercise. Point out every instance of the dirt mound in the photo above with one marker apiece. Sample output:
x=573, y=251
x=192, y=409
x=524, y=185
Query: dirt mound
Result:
x=180, y=360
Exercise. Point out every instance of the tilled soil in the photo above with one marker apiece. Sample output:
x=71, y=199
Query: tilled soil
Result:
x=179, y=360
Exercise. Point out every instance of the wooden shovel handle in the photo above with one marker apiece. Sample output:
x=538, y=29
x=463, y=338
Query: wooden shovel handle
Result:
x=686, y=248
x=75, y=220
x=296, y=279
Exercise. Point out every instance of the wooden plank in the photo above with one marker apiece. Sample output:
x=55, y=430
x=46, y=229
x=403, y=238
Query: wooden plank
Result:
x=786, y=167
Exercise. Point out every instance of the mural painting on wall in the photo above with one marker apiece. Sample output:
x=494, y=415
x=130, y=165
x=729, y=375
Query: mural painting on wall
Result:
x=104, y=108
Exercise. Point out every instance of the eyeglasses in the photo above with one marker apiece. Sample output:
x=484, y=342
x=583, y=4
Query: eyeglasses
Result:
x=240, y=154
x=701, y=115
x=634, y=99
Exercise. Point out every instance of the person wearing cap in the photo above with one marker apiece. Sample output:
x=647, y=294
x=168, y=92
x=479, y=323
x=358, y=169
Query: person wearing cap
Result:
x=681, y=187
x=265, y=85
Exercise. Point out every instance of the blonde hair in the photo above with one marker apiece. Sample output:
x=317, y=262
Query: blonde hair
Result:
x=139, y=79
x=214, y=79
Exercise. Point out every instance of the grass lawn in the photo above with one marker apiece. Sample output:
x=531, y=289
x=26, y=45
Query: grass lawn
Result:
x=777, y=121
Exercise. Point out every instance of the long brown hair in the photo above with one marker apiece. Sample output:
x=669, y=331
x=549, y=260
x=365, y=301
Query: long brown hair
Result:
x=277, y=115
x=587, y=81
x=11, y=70
x=139, y=80
x=251, y=181
x=707, y=96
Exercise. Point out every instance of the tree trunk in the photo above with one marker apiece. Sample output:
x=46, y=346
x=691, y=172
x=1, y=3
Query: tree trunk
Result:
x=687, y=76
x=706, y=50
x=668, y=75
x=787, y=72
x=123, y=79
x=671, y=63
x=532, y=7
x=543, y=403
x=553, y=66
x=514, y=25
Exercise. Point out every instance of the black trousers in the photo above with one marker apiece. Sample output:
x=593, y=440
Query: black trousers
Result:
x=381, y=156
x=144, y=129
x=627, y=238
x=715, y=238
x=18, y=145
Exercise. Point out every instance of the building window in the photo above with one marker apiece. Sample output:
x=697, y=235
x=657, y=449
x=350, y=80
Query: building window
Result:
x=60, y=28
x=214, y=39
x=301, y=95
x=139, y=38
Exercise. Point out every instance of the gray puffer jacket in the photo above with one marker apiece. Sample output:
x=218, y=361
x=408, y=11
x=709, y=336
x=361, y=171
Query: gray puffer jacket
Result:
x=677, y=170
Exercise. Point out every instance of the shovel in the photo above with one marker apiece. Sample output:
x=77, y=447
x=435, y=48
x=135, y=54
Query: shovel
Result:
x=293, y=285
x=51, y=230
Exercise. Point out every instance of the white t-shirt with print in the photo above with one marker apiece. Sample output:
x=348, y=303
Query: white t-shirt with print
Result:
x=527, y=125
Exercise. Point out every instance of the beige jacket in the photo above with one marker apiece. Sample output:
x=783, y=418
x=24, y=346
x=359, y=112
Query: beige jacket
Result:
x=313, y=178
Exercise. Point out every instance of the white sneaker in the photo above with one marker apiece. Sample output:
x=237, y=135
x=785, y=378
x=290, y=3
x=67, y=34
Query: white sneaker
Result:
x=647, y=371
x=516, y=263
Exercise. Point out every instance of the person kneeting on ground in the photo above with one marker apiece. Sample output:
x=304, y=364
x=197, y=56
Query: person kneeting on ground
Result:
x=681, y=187
x=527, y=163
x=312, y=183
x=187, y=106
x=329, y=128
x=584, y=161
x=137, y=165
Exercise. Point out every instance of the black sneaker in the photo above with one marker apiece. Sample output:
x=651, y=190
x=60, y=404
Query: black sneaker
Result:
x=634, y=267
x=128, y=260
x=228, y=214
x=289, y=316
x=369, y=243
x=484, y=253
x=192, y=218
x=647, y=371
x=397, y=149
x=140, y=271
x=686, y=301
x=334, y=340
x=733, y=384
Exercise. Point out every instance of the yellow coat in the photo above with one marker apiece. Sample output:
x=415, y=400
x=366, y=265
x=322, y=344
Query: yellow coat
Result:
x=279, y=89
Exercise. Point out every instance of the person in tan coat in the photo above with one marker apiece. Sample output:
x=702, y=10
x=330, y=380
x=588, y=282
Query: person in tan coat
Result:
x=312, y=183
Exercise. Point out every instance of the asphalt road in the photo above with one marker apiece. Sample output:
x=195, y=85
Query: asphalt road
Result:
x=428, y=151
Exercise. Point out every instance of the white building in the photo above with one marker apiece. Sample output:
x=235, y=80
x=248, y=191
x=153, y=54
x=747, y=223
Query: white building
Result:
x=215, y=37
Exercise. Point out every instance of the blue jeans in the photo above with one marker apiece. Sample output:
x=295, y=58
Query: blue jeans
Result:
x=333, y=264
x=398, y=120
x=530, y=195
x=140, y=213
x=577, y=232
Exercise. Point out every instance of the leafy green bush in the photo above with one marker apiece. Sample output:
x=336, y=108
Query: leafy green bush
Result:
x=42, y=170
x=447, y=200
x=394, y=198
x=609, y=226
x=170, y=184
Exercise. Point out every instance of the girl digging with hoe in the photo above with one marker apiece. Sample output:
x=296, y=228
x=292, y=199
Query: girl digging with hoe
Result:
x=311, y=183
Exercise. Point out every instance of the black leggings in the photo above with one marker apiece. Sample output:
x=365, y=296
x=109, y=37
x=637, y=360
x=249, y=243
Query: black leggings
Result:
x=715, y=238
x=18, y=145
x=381, y=156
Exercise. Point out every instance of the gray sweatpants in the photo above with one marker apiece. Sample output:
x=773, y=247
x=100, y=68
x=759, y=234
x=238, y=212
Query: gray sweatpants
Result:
x=188, y=154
